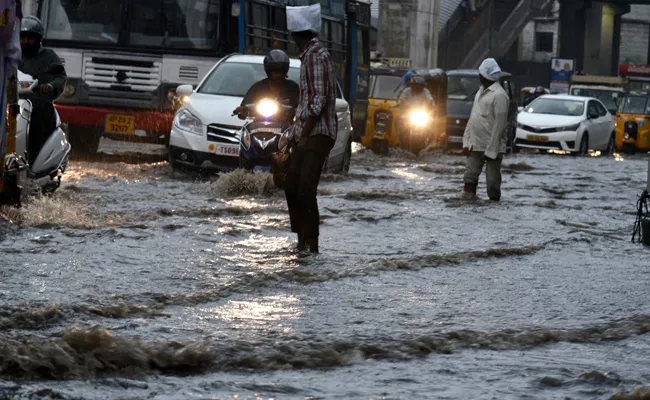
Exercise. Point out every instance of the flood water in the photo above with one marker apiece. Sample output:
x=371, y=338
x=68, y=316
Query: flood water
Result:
x=137, y=282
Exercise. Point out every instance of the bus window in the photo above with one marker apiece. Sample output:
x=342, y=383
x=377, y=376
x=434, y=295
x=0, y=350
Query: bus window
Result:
x=82, y=20
x=338, y=41
x=259, y=33
x=175, y=23
x=362, y=47
x=279, y=26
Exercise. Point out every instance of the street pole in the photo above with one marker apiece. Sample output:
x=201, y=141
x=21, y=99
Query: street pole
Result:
x=433, y=23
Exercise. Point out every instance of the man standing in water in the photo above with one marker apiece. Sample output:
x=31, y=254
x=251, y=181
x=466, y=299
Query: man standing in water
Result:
x=315, y=128
x=484, y=141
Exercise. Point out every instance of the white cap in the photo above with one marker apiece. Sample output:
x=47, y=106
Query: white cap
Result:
x=490, y=70
x=306, y=18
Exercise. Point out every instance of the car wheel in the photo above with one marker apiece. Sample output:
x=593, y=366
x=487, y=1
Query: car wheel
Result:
x=347, y=157
x=611, y=145
x=584, y=145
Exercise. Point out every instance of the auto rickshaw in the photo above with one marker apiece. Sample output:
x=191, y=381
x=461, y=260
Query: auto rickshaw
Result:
x=527, y=95
x=633, y=122
x=385, y=88
x=12, y=164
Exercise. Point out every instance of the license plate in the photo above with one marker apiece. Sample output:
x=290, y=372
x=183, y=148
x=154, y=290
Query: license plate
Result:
x=227, y=150
x=120, y=123
x=535, y=138
x=455, y=139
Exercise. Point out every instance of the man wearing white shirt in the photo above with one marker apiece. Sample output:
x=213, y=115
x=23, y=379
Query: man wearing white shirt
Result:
x=484, y=141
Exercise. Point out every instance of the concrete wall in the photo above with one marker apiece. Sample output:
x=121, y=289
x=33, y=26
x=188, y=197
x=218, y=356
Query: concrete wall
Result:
x=394, y=29
x=527, y=41
x=635, y=31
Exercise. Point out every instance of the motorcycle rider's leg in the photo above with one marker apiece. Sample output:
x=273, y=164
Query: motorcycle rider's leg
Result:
x=316, y=152
x=42, y=123
x=291, y=186
x=473, y=169
x=493, y=178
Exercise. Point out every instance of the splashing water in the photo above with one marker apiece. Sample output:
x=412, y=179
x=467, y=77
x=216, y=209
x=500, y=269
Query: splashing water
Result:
x=243, y=183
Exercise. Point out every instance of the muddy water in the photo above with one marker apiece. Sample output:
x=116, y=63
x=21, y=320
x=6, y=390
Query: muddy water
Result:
x=134, y=281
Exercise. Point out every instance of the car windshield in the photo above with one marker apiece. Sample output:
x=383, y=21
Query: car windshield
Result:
x=462, y=87
x=184, y=24
x=556, y=107
x=608, y=97
x=235, y=78
x=634, y=105
x=386, y=87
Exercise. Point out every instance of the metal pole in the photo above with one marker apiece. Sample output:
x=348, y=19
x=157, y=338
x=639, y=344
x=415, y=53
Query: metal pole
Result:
x=647, y=187
x=435, y=19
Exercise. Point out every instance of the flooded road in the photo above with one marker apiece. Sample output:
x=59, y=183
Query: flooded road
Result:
x=134, y=281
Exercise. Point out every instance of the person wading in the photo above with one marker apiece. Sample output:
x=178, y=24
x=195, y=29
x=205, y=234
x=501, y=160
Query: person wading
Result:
x=315, y=129
x=484, y=141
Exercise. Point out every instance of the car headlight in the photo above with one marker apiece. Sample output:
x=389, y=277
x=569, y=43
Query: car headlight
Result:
x=187, y=121
x=568, y=128
x=267, y=108
x=246, y=139
x=419, y=118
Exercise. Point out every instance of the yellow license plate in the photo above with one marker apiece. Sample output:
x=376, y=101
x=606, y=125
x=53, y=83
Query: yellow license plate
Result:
x=120, y=123
x=535, y=138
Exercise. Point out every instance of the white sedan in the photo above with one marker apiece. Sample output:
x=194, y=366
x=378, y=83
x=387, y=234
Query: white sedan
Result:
x=206, y=135
x=569, y=123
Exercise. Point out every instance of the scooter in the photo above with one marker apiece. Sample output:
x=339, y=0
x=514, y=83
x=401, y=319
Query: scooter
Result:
x=417, y=137
x=266, y=131
x=49, y=165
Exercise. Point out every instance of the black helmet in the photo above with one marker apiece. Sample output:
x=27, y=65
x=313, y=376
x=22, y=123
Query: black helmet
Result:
x=32, y=24
x=276, y=61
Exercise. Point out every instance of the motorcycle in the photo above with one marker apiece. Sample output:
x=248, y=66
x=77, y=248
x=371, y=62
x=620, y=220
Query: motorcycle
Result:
x=266, y=131
x=48, y=166
x=417, y=136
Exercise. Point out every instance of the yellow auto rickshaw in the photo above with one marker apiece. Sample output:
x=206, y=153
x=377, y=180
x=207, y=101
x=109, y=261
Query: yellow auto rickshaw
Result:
x=527, y=95
x=11, y=164
x=633, y=122
x=385, y=88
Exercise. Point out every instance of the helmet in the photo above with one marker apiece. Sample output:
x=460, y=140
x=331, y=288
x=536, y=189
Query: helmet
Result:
x=418, y=80
x=31, y=24
x=540, y=90
x=276, y=61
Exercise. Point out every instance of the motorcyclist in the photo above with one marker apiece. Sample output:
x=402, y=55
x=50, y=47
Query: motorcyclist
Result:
x=45, y=66
x=415, y=95
x=275, y=86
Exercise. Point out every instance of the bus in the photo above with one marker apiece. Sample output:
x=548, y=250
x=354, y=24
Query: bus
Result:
x=125, y=58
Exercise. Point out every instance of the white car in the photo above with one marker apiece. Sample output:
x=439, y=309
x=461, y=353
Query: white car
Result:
x=569, y=123
x=206, y=135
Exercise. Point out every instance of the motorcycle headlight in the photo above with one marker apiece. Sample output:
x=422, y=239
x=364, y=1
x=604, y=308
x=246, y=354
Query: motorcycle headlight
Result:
x=246, y=139
x=419, y=118
x=187, y=121
x=24, y=84
x=267, y=108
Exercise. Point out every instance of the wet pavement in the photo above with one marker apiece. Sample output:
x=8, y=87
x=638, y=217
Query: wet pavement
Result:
x=134, y=281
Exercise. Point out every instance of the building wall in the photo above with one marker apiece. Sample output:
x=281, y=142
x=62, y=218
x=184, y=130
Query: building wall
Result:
x=635, y=31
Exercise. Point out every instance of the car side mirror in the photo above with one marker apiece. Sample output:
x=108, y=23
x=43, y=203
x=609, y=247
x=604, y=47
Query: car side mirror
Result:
x=341, y=105
x=592, y=115
x=184, y=90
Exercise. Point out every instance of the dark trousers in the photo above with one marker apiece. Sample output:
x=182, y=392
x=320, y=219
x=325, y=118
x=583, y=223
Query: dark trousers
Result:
x=41, y=124
x=301, y=185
